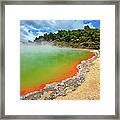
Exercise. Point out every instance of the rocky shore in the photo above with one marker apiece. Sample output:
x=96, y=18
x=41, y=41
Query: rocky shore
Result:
x=90, y=88
x=84, y=85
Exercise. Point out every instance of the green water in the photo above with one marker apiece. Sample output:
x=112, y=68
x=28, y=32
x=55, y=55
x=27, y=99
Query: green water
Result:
x=41, y=64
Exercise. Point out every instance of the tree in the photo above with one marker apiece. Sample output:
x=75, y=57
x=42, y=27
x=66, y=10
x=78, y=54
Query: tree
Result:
x=86, y=27
x=81, y=38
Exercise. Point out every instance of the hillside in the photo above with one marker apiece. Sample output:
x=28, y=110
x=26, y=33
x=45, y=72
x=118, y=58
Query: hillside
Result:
x=87, y=38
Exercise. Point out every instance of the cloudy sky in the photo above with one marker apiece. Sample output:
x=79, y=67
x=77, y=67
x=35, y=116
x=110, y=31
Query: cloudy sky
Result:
x=29, y=29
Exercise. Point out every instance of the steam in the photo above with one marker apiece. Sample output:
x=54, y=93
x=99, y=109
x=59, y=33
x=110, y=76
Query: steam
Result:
x=39, y=48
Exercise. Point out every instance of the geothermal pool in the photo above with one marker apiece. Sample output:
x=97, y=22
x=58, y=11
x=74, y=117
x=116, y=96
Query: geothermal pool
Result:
x=41, y=64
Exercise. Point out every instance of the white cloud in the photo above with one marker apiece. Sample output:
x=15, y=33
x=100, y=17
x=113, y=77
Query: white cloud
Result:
x=25, y=34
x=90, y=25
x=32, y=28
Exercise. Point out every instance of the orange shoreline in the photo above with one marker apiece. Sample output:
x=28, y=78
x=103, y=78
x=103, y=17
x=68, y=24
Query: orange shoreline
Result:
x=71, y=73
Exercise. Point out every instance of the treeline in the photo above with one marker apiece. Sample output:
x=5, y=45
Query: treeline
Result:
x=87, y=38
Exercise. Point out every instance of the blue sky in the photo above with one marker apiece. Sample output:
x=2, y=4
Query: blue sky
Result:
x=29, y=29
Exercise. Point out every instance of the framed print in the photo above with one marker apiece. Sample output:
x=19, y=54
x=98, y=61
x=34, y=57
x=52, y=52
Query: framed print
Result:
x=60, y=60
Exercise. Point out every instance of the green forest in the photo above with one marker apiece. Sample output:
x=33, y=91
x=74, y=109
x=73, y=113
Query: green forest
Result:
x=86, y=38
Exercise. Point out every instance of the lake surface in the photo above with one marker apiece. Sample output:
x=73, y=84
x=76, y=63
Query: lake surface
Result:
x=43, y=64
